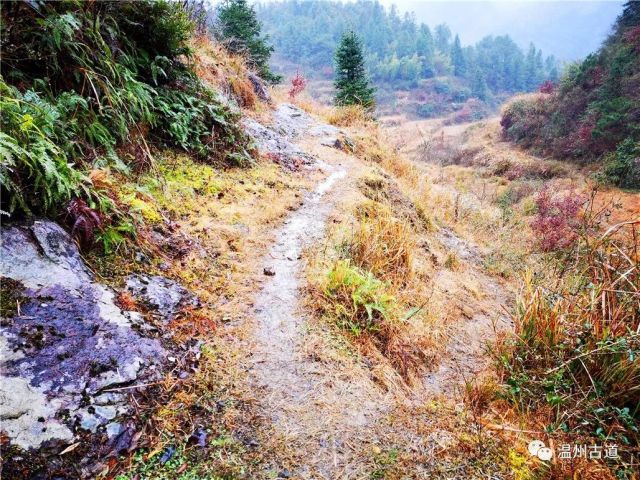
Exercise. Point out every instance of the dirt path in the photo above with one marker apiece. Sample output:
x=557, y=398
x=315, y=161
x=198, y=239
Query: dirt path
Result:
x=320, y=410
x=464, y=356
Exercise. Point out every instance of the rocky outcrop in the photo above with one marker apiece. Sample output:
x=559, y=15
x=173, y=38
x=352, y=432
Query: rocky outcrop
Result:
x=164, y=297
x=275, y=146
x=67, y=350
x=277, y=141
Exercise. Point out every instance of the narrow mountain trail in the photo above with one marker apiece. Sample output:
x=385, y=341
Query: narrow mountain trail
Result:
x=330, y=414
x=320, y=410
x=483, y=315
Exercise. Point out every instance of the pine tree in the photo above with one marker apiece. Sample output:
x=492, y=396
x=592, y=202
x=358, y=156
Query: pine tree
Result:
x=479, y=87
x=352, y=84
x=238, y=27
x=457, y=59
x=443, y=38
x=425, y=49
x=530, y=69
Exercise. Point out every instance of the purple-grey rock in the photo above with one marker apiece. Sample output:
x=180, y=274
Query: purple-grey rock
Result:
x=68, y=343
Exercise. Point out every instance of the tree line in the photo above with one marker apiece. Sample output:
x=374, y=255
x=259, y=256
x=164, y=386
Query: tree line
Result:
x=398, y=50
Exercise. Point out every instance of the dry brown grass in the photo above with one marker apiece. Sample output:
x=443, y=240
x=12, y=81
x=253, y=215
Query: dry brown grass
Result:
x=372, y=287
x=372, y=146
x=227, y=219
x=229, y=73
x=382, y=244
x=347, y=116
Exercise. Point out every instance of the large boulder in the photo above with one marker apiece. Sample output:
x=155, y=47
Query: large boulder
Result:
x=70, y=356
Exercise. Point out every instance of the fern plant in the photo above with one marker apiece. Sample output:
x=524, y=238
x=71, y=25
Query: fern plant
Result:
x=34, y=170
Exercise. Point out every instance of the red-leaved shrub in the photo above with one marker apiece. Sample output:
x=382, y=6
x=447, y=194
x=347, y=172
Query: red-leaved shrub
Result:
x=547, y=87
x=298, y=83
x=557, y=220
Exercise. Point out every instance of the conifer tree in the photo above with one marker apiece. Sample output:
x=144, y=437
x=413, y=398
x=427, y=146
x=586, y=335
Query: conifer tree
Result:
x=443, y=38
x=238, y=27
x=457, y=58
x=479, y=87
x=531, y=69
x=352, y=84
x=425, y=49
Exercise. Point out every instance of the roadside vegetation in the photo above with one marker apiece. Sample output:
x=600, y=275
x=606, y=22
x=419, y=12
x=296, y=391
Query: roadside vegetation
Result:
x=568, y=371
x=124, y=122
x=98, y=86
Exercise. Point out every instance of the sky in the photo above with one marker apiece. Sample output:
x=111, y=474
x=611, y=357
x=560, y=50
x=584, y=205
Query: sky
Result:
x=570, y=30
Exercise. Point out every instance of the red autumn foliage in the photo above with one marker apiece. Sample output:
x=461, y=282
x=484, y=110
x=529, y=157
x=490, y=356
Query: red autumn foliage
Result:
x=557, y=220
x=585, y=132
x=298, y=84
x=547, y=87
x=632, y=36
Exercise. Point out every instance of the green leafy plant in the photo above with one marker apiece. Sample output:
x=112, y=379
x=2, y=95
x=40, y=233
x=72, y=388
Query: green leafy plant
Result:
x=360, y=301
x=89, y=82
x=622, y=167
x=34, y=170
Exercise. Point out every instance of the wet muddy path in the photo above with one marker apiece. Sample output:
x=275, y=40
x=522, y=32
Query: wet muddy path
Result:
x=318, y=410
x=329, y=413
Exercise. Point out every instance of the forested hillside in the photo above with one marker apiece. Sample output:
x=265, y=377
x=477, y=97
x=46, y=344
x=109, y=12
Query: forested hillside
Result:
x=402, y=52
x=207, y=274
x=593, y=112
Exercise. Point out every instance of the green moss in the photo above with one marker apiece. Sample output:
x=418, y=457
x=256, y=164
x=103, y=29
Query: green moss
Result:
x=146, y=209
x=519, y=468
x=10, y=296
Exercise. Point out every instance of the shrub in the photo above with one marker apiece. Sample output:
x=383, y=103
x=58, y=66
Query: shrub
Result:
x=622, y=167
x=444, y=151
x=556, y=223
x=298, y=83
x=84, y=79
x=426, y=110
x=593, y=110
x=547, y=87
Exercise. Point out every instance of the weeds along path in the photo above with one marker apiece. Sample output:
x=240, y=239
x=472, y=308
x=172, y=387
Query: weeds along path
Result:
x=318, y=410
x=477, y=302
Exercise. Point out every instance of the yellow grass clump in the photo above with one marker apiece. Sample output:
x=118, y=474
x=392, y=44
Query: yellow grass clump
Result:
x=347, y=116
x=382, y=243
